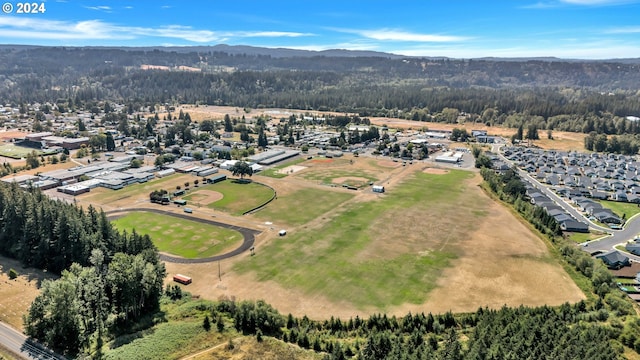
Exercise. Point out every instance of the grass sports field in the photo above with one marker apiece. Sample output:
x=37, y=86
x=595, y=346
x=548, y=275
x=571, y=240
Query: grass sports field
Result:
x=237, y=197
x=350, y=257
x=302, y=206
x=349, y=252
x=181, y=237
x=353, y=177
x=16, y=152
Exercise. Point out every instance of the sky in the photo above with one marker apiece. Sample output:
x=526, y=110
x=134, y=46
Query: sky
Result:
x=575, y=29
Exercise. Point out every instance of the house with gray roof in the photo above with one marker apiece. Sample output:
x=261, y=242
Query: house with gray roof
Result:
x=574, y=226
x=614, y=259
x=633, y=247
x=607, y=216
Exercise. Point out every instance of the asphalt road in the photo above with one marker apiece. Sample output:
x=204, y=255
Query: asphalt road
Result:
x=18, y=344
x=604, y=244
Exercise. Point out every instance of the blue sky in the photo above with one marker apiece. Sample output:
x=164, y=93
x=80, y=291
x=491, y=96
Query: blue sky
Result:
x=585, y=29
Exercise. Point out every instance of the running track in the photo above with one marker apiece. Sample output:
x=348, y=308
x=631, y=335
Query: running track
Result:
x=248, y=235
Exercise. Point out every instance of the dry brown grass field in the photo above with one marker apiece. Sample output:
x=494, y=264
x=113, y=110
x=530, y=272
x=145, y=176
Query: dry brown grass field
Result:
x=561, y=140
x=16, y=295
x=501, y=262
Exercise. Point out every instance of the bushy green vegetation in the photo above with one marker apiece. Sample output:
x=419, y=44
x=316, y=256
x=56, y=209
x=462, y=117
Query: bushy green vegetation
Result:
x=579, y=331
x=109, y=279
x=510, y=188
x=182, y=237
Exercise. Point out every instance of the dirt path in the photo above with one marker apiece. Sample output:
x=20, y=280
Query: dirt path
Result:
x=192, y=356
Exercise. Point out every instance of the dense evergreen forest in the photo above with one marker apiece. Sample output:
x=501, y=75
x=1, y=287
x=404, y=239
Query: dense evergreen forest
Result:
x=581, y=96
x=109, y=279
x=565, y=332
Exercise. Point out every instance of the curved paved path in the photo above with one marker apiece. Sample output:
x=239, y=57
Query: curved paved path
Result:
x=248, y=235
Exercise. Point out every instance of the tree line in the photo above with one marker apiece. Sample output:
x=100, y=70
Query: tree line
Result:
x=564, y=332
x=110, y=279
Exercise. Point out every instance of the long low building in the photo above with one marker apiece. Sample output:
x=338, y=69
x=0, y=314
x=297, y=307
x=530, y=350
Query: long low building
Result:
x=258, y=158
x=450, y=157
x=283, y=156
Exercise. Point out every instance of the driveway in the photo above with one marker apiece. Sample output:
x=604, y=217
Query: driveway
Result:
x=604, y=244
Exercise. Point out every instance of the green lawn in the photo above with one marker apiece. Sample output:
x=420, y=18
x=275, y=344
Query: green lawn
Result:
x=582, y=237
x=237, y=197
x=302, y=206
x=16, y=152
x=344, y=261
x=622, y=209
x=273, y=172
x=181, y=336
x=326, y=176
x=180, y=237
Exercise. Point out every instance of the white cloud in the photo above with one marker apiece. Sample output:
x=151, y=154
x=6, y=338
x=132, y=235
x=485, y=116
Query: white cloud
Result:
x=103, y=8
x=624, y=30
x=270, y=34
x=32, y=28
x=399, y=35
x=597, y=2
x=550, y=4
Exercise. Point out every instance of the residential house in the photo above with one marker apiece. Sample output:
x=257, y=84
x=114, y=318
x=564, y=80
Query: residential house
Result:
x=614, y=259
x=574, y=226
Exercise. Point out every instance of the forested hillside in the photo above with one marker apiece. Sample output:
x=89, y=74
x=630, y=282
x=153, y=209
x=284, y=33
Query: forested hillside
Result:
x=368, y=84
x=109, y=279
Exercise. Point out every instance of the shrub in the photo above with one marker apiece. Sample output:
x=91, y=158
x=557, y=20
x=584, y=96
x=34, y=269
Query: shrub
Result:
x=13, y=274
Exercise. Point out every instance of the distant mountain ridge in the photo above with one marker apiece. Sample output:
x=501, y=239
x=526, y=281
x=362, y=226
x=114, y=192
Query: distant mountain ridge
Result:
x=288, y=52
x=225, y=74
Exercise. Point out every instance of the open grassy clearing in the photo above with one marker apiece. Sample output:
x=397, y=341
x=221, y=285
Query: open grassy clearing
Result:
x=273, y=172
x=622, y=209
x=16, y=152
x=302, y=206
x=180, y=237
x=182, y=336
x=561, y=140
x=377, y=253
x=16, y=295
x=269, y=349
x=6, y=355
x=327, y=176
x=238, y=197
